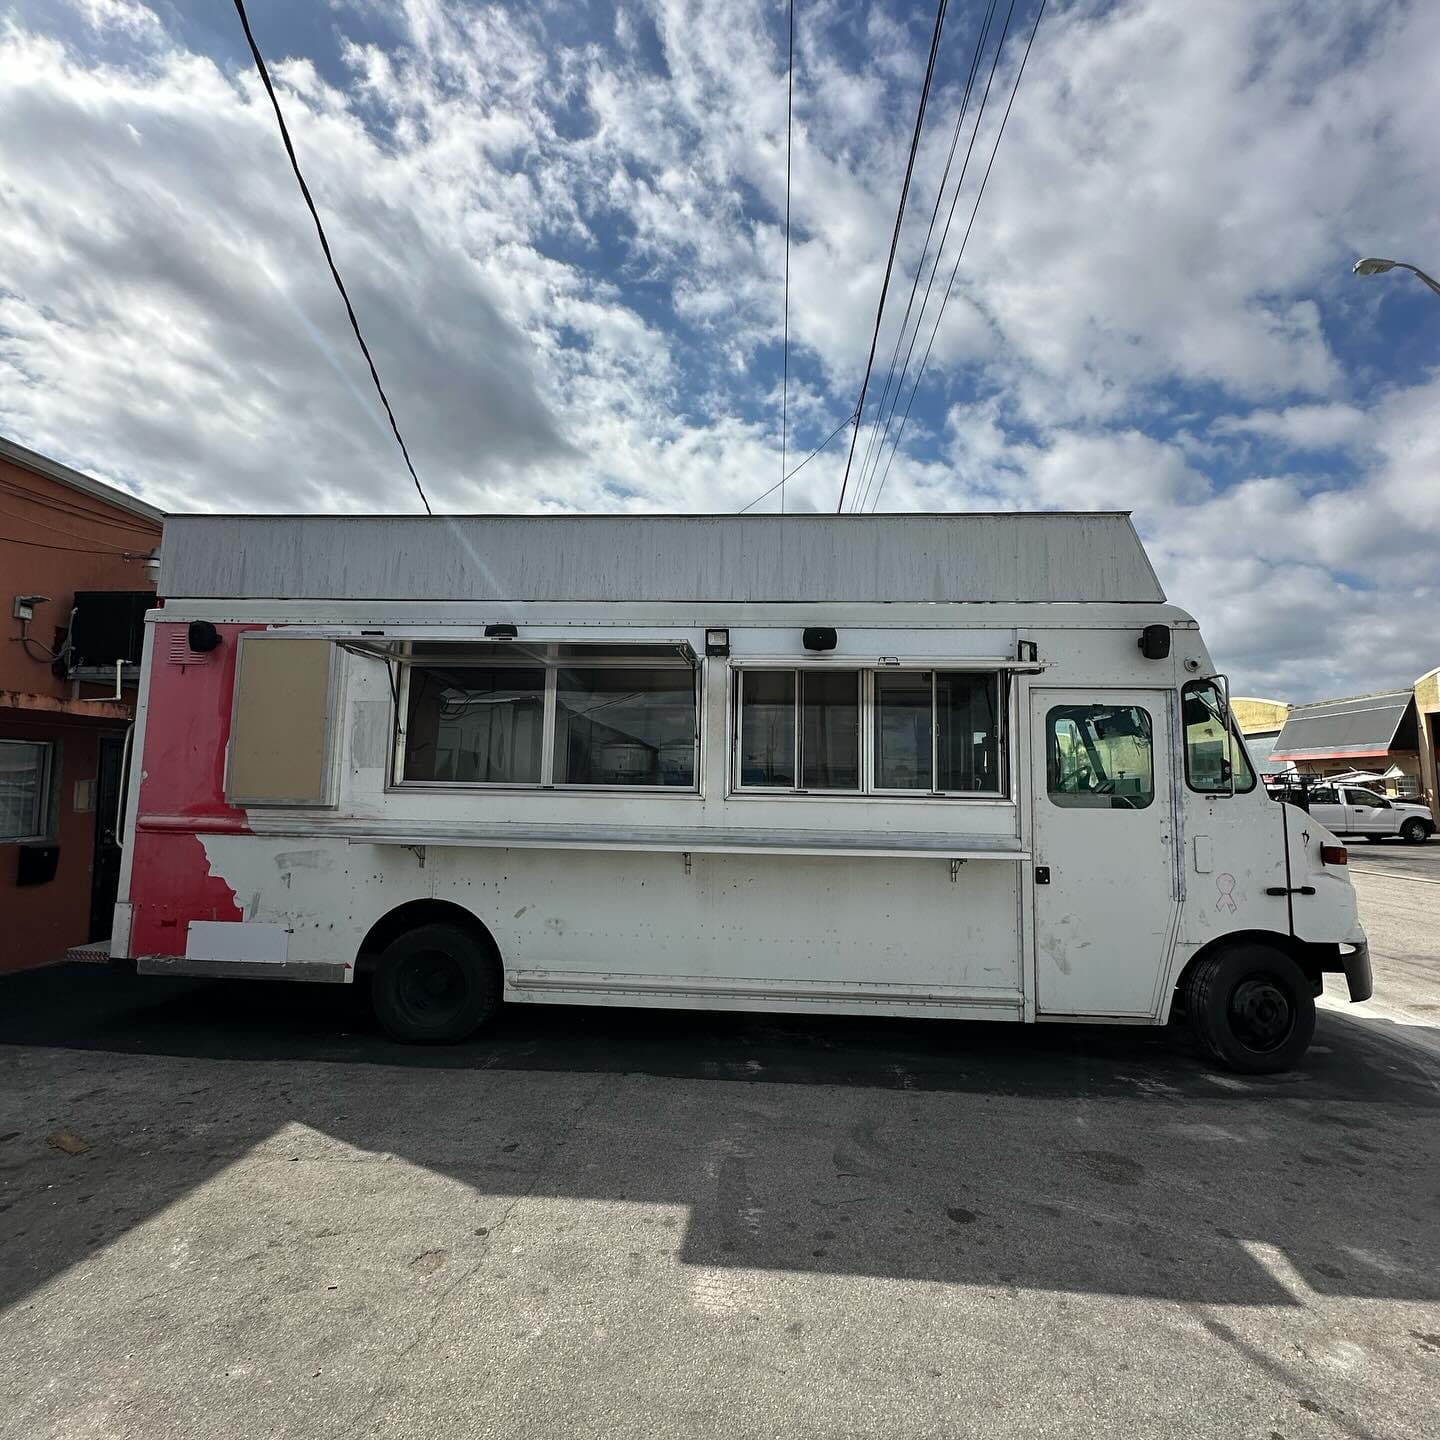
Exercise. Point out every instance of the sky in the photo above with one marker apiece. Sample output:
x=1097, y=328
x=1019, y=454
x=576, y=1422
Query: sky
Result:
x=563, y=229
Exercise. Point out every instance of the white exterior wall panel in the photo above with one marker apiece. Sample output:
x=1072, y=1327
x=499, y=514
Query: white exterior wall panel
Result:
x=626, y=558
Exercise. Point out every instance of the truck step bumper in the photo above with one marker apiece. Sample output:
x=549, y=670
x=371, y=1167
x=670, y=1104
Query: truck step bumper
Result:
x=1356, y=959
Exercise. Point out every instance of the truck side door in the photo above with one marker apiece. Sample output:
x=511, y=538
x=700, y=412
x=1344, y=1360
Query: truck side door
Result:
x=1327, y=806
x=1381, y=818
x=1369, y=813
x=1105, y=888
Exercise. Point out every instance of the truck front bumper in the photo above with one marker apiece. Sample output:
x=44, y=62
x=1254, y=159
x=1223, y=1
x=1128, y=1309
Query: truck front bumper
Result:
x=1356, y=959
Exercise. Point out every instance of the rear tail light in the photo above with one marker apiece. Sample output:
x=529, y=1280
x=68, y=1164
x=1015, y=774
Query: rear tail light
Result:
x=1334, y=855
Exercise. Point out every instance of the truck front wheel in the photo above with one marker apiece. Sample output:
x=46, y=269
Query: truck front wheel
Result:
x=435, y=985
x=1415, y=831
x=1252, y=1008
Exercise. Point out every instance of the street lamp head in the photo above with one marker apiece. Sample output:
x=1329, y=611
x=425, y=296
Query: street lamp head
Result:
x=1373, y=267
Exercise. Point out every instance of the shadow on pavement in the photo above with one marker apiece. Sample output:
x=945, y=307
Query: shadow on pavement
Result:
x=1089, y=1159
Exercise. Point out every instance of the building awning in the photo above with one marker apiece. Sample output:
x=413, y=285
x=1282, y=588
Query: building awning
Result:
x=53, y=705
x=1364, y=727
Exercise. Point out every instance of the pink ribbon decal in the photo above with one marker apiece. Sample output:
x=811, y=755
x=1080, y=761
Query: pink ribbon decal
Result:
x=1225, y=884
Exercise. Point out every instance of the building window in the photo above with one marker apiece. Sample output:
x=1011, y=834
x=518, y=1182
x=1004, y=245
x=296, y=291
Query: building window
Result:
x=1213, y=749
x=929, y=732
x=618, y=716
x=25, y=770
x=1099, y=757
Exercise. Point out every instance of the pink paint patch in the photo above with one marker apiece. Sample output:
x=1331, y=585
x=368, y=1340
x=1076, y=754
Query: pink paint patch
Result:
x=182, y=793
x=173, y=885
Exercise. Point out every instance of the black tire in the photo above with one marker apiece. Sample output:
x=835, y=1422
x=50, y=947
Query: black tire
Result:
x=1252, y=1008
x=1415, y=831
x=435, y=985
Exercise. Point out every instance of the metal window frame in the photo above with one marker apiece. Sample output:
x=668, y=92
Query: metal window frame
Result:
x=1236, y=741
x=46, y=795
x=1056, y=797
x=869, y=730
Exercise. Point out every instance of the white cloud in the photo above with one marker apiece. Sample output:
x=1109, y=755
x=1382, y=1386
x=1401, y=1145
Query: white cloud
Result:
x=1301, y=427
x=567, y=260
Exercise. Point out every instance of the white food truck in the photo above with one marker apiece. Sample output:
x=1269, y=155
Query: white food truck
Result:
x=932, y=765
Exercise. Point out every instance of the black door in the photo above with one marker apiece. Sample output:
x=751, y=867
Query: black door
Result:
x=106, y=874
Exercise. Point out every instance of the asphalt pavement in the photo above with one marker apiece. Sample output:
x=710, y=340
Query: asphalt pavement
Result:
x=237, y=1210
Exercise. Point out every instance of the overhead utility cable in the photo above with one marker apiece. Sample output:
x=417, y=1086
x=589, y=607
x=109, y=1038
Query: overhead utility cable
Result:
x=785, y=380
x=799, y=467
x=325, y=246
x=870, y=445
x=955, y=269
x=894, y=239
x=935, y=267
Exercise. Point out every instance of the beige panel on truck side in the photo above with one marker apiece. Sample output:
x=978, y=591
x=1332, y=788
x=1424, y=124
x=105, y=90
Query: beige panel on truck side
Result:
x=280, y=737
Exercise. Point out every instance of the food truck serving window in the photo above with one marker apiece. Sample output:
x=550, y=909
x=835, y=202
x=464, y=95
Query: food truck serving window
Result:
x=925, y=732
x=565, y=715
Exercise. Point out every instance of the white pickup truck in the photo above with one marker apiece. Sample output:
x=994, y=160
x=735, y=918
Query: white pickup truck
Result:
x=1354, y=810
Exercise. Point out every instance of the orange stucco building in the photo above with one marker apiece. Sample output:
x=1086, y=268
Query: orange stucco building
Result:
x=76, y=574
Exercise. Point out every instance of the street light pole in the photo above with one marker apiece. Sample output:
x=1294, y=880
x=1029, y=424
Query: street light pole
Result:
x=1379, y=267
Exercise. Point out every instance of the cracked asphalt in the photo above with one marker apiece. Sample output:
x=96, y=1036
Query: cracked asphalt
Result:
x=239, y=1210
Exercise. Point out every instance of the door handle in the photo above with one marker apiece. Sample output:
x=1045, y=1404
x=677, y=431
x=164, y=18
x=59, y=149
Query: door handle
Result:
x=1042, y=874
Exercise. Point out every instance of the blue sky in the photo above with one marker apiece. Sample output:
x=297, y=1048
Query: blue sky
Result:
x=561, y=225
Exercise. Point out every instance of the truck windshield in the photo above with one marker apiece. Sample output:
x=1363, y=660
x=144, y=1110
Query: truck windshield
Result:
x=1213, y=749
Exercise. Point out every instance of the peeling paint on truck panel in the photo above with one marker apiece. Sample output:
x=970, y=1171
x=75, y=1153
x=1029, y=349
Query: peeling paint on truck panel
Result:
x=182, y=792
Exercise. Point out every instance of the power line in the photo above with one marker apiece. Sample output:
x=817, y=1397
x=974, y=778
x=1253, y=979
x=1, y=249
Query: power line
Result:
x=894, y=239
x=944, y=236
x=800, y=466
x=785, y=378
x=325, y=246
x=79, y=512
x=955, y=269
x=870, y=447
x=70, y=549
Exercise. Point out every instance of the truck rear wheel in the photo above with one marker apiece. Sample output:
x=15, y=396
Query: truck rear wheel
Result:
x=1252, y=1008
x=435, y=985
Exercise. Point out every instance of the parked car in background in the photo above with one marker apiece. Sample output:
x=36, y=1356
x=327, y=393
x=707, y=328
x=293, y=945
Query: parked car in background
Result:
x=1354, y=810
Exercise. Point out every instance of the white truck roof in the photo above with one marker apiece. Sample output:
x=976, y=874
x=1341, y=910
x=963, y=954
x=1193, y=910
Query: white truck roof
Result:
x=937, y=558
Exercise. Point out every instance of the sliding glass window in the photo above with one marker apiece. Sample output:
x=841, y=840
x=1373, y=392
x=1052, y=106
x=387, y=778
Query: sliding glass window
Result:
x=803, y=723
x=480, y=724
x=929, y=732
x=561, y=715
x=625, y=727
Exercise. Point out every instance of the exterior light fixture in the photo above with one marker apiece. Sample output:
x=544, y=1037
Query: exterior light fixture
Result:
x=1154, y=642
x=1376, y=266
x=819, y=637
x=717, y=642
x=501, y=632
x=25, y=606
x=202, y=637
